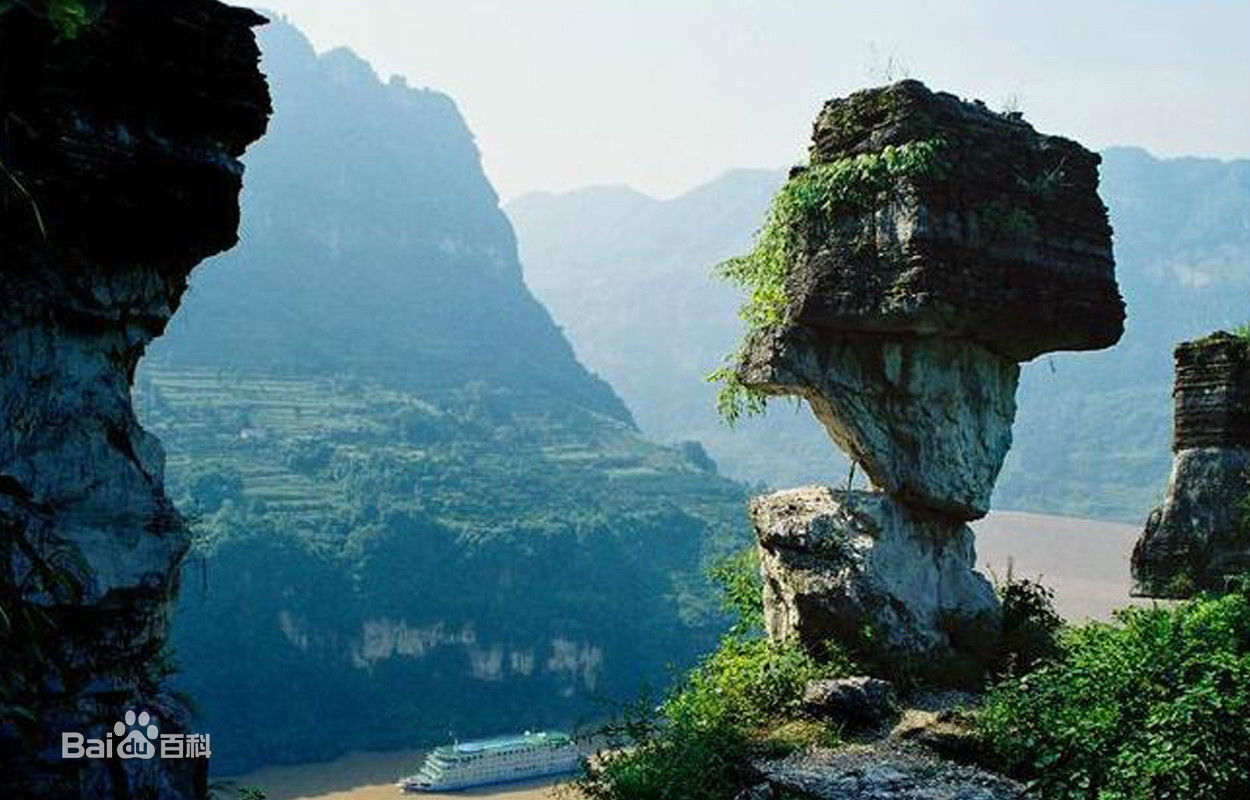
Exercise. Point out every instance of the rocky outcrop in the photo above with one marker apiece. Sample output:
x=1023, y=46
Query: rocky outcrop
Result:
x=929, y=418
x=927, y=747
x=120, y=149
x=909, y=302
x=849, y=565
x=1200, y=535
x=861, y=700
x=1007, y=243
x=881, y=771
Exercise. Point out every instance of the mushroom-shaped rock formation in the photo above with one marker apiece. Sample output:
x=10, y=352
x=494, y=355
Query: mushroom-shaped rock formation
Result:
x=935, y=245
x=120, y=145
x=930, y=247
x=1200, y=536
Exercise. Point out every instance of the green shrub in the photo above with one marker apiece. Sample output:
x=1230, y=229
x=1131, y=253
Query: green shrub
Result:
x=741, y=590
x=1153, y=707
x=1030, y=625
x=697, y=749
x=806, y=207
x=744, y=695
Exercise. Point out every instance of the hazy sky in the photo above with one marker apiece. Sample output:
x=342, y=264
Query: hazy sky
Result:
x=666, y=94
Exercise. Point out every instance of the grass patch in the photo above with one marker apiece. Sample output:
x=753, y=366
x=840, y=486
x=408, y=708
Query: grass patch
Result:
x=799, y=734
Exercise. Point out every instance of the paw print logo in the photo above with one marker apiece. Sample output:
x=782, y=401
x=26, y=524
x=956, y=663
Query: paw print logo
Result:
x=140, y=742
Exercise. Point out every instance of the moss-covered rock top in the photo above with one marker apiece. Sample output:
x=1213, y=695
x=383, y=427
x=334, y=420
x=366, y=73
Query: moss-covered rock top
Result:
x=1003, y=239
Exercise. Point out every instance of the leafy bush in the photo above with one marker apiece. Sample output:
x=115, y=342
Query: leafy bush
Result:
x=1153, y=707
x=746, y=694
x=1030, y=624
x=811, y=202
x=697, y=748
x=741, y=589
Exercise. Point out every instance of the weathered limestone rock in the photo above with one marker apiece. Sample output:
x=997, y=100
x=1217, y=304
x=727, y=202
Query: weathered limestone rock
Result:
x=861, y=700
x=928, y=418
x=930, y=247
x=1006, y=244
x=1212, y=393
x=124, y=141
x=1200, y=536
x=834, y=562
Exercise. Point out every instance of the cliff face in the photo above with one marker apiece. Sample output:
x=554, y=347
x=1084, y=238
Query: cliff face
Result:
x=1199, y=536
x=120, y=149
x=375, y=246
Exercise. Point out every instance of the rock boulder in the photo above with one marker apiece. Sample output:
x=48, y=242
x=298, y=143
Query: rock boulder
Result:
x=1005, y=243
x=850, y=565
x=861, y=700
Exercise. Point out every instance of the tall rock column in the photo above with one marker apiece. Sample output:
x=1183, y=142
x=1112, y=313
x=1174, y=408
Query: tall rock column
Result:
x=1200, y=536
x=930, y=247
x=120, y=145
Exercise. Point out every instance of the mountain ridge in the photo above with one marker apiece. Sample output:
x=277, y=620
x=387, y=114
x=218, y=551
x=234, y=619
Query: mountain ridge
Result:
x=403, y=483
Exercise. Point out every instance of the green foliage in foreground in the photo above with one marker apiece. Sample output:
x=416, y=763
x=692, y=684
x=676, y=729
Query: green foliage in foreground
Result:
x=1030, y=625
x=811, y=202
x=744, y=695
x=1153, y=707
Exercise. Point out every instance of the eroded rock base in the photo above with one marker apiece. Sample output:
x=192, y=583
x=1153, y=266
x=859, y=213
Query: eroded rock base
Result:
x=1200, y=536
x=861, y=567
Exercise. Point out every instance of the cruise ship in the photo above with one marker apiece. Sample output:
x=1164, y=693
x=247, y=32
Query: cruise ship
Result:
x=504, y=759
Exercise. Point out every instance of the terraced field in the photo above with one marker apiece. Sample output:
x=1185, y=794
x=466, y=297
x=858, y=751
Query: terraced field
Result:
x=479, y=460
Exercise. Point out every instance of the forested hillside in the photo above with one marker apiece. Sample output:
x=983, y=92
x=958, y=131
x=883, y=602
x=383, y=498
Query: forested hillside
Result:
x=417, y=514
x=630, y=278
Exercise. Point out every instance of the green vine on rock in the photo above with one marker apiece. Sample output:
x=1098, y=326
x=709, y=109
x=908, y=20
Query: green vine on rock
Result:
x=69, y=18
x=807, y=206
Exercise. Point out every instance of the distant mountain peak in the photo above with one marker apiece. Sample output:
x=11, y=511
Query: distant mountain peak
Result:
x=373, y=243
